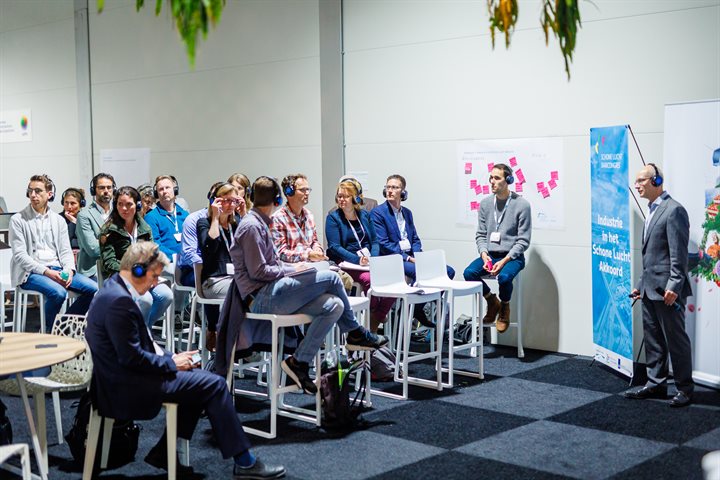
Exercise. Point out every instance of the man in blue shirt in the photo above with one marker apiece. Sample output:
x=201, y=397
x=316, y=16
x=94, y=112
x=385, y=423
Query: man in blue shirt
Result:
x=167, y=218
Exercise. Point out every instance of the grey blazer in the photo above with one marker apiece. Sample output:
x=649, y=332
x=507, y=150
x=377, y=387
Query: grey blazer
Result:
x=89, y=223
x=665, y=252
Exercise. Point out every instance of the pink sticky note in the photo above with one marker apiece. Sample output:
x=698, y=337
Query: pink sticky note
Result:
x=518, y=187
x=545, y=192
x=490, y=166
x=486, y=189
x=552, y=183
x=520, y=176
x=473, y=183
x=474, y=205
x=554, y=175
x=540, y=186
x=513, y=162
x=478, y=189
x=468, y=168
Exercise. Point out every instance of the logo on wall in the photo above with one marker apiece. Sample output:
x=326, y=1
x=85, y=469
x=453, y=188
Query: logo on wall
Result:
x=24, y=122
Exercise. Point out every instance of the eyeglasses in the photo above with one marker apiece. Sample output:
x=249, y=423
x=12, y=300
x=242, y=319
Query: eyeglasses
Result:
x=305, y=190
x=392, y=187
x=229, y=201
x=341, y=196
x=36, y=191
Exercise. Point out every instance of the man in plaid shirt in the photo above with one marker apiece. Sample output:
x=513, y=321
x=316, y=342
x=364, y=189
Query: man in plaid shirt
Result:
x=293, y=226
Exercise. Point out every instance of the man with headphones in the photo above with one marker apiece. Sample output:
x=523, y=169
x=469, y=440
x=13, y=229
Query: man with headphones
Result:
x=42, y=260
x=167, y=218
x=91, y=219
x=663, y=288
x=133, y=376
x=502, y=237
x=269, y=285
x=396, y=233
x=293, y=226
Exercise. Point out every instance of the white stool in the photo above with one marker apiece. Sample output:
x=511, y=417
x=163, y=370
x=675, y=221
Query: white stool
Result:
x=7, y=451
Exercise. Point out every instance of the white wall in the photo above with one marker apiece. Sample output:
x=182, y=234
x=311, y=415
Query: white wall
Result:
x=421, y=76
x=37, y=71
x=251, y=105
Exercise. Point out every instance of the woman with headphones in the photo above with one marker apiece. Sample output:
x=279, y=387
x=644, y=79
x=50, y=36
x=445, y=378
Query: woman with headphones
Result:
x=124, y=227
x=351, y=238
x=215, y=236
x=73, y=199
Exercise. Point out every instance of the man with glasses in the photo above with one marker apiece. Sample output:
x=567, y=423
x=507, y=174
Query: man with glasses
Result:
x=396, y=233
x=90, y=220
x=42, y=260
x=663, y=287
x=293, y=226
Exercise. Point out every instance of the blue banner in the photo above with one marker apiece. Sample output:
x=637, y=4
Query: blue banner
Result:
x=611, y=276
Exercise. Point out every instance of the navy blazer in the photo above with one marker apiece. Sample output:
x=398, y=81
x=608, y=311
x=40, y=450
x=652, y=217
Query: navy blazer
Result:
x=388, y=233
x=127, y=375
x=342, y=245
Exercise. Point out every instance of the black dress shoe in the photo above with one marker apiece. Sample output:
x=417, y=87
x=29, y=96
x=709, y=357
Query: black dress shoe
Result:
x=157, y=457
x=259, y=471
x=647, y=392
x=681, y=399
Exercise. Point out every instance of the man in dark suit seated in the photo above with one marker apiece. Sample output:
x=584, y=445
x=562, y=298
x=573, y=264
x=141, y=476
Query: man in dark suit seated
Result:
x=133, y=376
x=396, y=233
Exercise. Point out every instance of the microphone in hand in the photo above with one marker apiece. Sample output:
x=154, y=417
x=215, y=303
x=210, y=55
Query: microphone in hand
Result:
x=661, y=292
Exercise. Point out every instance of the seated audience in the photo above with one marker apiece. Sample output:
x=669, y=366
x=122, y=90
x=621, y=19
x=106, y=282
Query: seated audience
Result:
x=125, y=227
x=90, y=221
x=351, y=238
x=42, y=259
x=396, y=233
x=73, y=199
x=133, y=376
x=215, y=236
x=264, y=283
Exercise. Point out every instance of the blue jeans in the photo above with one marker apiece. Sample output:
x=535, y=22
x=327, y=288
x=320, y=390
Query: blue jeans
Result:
x=318, y=294
x=55, y=294
x=155, y=303
x=475, y=272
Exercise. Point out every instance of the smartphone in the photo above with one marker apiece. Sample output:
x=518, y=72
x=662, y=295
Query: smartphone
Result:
x=196, y=358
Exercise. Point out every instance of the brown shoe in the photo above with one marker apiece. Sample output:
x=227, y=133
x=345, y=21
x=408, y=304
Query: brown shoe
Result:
x=210, y=340
x=503, y=321
x=493, y=307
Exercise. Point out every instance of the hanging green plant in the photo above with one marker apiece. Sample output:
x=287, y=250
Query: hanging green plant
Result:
x=190, y=16
x=560, y=16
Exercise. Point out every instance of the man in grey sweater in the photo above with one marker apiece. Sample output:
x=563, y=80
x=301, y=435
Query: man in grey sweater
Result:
x=503, y=235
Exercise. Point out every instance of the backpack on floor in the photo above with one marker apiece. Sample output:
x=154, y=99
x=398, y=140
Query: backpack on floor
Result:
x=123, y=443
x=382, y=365
x=338, y=411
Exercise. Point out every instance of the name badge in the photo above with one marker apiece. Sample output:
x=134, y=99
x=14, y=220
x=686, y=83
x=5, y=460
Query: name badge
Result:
x=230, y=268
x=178, y=236
x=364, y=252
x=495, y=237
x=405, y=245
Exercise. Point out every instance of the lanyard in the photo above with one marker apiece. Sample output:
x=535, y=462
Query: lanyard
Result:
x=498, y=221
x=302, y=231
x=174, y=218
x=355, y=232
x=228, y=243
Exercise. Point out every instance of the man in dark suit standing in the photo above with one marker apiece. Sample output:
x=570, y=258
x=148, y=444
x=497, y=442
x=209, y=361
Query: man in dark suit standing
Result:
x=396, y=233
x=663, y=288
x=133, y=376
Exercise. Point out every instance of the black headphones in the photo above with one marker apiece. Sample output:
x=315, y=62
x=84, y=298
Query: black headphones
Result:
x=131, y=191
x=509, y=178
x=74, y=190
x=403, y=194
x=139, y=270
x=212, y=194
x=657, y=179
x=277, y=194
x=97, y=177
x=51, y=192
x=176, y=187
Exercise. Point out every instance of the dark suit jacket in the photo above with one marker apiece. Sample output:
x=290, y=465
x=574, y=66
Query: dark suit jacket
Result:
x=665, y=252
x=337, y=233
x=387, y=231
x=127, y=375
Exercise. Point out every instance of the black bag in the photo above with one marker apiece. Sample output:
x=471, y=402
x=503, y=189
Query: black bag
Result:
x=382, y=365
x=338, y=411
x=123, y=443
x=6, y=435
